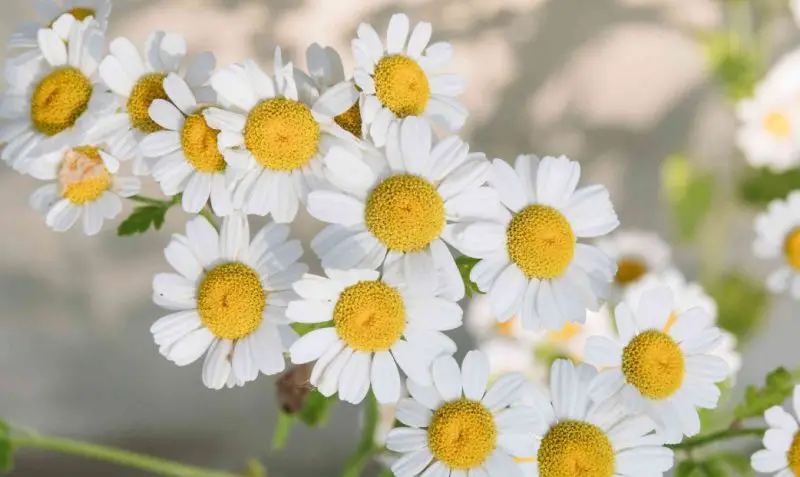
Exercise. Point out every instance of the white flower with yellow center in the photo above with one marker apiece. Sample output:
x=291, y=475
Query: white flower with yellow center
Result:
x=395, y=209
x=51, y=13
x=665, y=372
x=399, y=79
x=189, y=160
x=531, y=262
x=575, y=437
x=781, y=455
x=228, y=298
x=458, y=428
x=52, y=94
x=637, y=254
x=326, y=72
x=688, y=295
x=138, y=81
x=768, y=134
x=276, y=134
x=778, y=237
x=375, y=326
x=85, y=185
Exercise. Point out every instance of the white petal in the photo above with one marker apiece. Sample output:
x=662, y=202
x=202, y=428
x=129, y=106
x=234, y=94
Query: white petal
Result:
x=179, y=93
x=191, y=347
x=183, y=260
x=603, y=352
x=475, y=375
x=334, y=207
x=419, y=39
x=160, y=143
x=412, y=464
x=52, y=47
x=385, y=378
x=412, y=413
x=507, y=293
x=556, y=180
x=503, y=392
x=355, y=380
x=406, y=439
x=413, y=365
x=447, y=378
x=217, y=366
x=234, y=237
x=311, y=346
x=397, y=33
x=166, y=115
x=768, y=461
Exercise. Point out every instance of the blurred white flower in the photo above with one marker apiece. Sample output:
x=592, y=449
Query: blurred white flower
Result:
x=778, y=236
x=637, y=253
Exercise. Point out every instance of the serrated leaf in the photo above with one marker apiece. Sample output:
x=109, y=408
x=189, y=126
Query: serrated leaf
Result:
x=141, y=219
x=465, y=264
x=316, y=409
x=689, y=192
x=742, y=303
x=777, y=388
x=761, y=186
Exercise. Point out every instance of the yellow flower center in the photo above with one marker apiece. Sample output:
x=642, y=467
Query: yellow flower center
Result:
x=402, y=86
x=231, y=300
x=199, y=144
x=654, y=364
x=540, y=241
x=569, y=331
x=83, y=176
x=793, y=455
x=791, y=248
x=59, y=100
x=575, y=449
x=462, y=434
x=629, y=270
x=369, y=316
x=350, y=120
x=405, y=213
x=778, y=125
x=282, y=134
x=147, y=89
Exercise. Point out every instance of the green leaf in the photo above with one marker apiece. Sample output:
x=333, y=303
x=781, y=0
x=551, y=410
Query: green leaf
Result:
x=735, y=63
x=689, y=192
x=255, y=469
x=742, y=303
x=685, y=468
x=142, y=218
x=386, y=473
x=761, y=186
x=6, y=449
x=305, y=328
x=316, y=409
x=282, y=429
x=777, y=388
x=738, y=463
x=465, y=264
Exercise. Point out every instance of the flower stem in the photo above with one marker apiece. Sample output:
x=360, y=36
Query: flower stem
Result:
x=723, y=435
x=210, y=217
x=121, y=457
x=357, y=462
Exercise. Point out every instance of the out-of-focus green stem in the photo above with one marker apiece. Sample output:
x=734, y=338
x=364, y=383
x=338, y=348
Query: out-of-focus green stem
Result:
x=355, y=466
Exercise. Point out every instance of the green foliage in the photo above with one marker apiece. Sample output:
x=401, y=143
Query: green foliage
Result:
x=465, y=265
x=386, y=473
x=6, y=449
x=742, y=303
x=723, y=464
x=314, y=413
x=761, y=186
x=366, y=447
x=689, y=193
x=151, y=214
x=777, y=388
x=305, y=328
x=282, y=429
x=255, y=469
x=735, y=64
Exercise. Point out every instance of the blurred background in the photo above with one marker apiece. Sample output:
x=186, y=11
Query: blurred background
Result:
x=618, y=85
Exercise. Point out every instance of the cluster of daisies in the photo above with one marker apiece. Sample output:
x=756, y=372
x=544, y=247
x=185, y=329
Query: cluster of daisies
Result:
x=373, y=153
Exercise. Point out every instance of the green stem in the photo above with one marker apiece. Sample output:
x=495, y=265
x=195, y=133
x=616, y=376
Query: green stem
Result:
x=143, y=199
x=210, y=217
x=121, y=457
x=724, y=435
x=357, y=462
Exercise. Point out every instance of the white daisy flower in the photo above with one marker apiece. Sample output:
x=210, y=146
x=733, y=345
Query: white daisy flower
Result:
x=396, y=209
x=688, y=295
x=189, y=160
x=663, y=372
x=781, y=456
x=375, y=326
x=572, y=432
x=276, y=134
x=52, y=92
x=326, y=72
x=85, y=184
x=399, y=79
x=768, y=134
x=51, y=13
x=531, y=262
x=138, y=80
x=229, y=298
x=458, y=428
x=778, y=237
x=637, y=253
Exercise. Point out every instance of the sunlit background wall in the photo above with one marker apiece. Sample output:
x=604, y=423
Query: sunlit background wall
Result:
x=618, y=85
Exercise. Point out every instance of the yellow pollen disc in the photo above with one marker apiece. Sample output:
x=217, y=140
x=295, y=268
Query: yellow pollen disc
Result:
x=778, y=125
x=199, y=144
x=569, y=331
x=369, y=316
x=791, y=248
x=629, y=270
x=147, y=89
x=83, y=176
x=405, y=213
x=59, y=100
x=654, y=364
x=282, y=134
x=462, y=434
x=540, y=241
x=575, y=449
x=793, y=455
x=81, y=13
x=231, y=300
x=350, y=120
x=402, y=86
